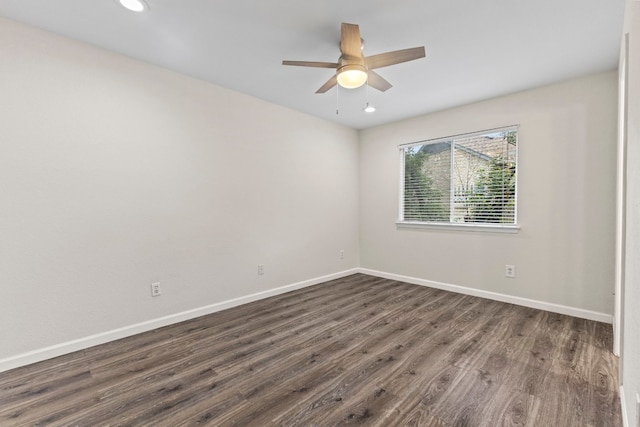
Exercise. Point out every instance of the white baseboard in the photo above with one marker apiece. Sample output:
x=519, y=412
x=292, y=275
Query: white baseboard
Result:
x=104, y=337
x=541, y=305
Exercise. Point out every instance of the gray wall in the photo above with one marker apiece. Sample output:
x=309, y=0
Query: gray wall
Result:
x=564, y=252
x=115, y=174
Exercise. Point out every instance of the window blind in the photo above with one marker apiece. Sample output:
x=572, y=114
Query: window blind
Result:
x=464, y=179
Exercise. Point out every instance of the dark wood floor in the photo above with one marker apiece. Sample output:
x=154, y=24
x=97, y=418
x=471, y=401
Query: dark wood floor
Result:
x=358, y=350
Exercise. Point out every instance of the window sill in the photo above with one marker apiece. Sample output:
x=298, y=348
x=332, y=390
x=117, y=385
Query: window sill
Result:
x=506, y=228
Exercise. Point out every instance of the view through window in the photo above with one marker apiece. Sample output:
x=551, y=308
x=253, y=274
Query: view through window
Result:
x=466, y=179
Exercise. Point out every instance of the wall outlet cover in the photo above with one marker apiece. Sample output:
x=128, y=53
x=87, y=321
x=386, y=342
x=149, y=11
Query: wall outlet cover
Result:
x=155, y=289
x=510, y=270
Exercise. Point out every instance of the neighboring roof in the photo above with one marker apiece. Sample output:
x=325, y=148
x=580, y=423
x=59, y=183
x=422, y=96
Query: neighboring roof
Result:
x=436, y=147
x=441, y=146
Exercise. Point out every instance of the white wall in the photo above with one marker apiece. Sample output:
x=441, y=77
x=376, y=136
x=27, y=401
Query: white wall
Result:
x=630, y=358
x=115, y=174
x=564, y=252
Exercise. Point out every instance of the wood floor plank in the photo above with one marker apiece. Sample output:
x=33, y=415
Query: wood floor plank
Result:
x=381, y=331
x=236, y=358
x=359, y=350
x=510, y=408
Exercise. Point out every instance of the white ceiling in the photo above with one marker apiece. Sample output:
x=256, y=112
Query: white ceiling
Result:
x=476, y=49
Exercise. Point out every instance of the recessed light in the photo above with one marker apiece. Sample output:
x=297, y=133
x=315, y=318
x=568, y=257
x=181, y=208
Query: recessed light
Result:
x=134, y=5
x=369, y=108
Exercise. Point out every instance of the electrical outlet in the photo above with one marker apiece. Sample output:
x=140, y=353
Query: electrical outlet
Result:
x=260, y=269
x=510, y=271
x=342, y=254
x=155, y=289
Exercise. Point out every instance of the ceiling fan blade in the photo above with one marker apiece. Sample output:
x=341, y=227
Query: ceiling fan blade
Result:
x=312, y=64
x=376, y=81
x=328, y=85
x=350, y=42
x=395, y=57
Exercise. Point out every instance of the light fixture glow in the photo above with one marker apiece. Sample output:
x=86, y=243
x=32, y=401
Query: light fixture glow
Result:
x=369, y=108
x=352, y=76
x=134, y=5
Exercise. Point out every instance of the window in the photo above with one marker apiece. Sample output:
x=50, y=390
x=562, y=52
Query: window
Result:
x=466, y=180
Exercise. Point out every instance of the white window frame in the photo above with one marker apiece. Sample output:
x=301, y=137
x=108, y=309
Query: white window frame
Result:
x=490, y=227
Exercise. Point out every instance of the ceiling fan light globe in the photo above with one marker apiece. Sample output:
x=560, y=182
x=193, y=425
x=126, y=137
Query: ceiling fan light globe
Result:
x=134, y=5
x=352, y=76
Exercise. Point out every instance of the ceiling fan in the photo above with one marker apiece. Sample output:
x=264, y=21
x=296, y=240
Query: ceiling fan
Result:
x=353, y=69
